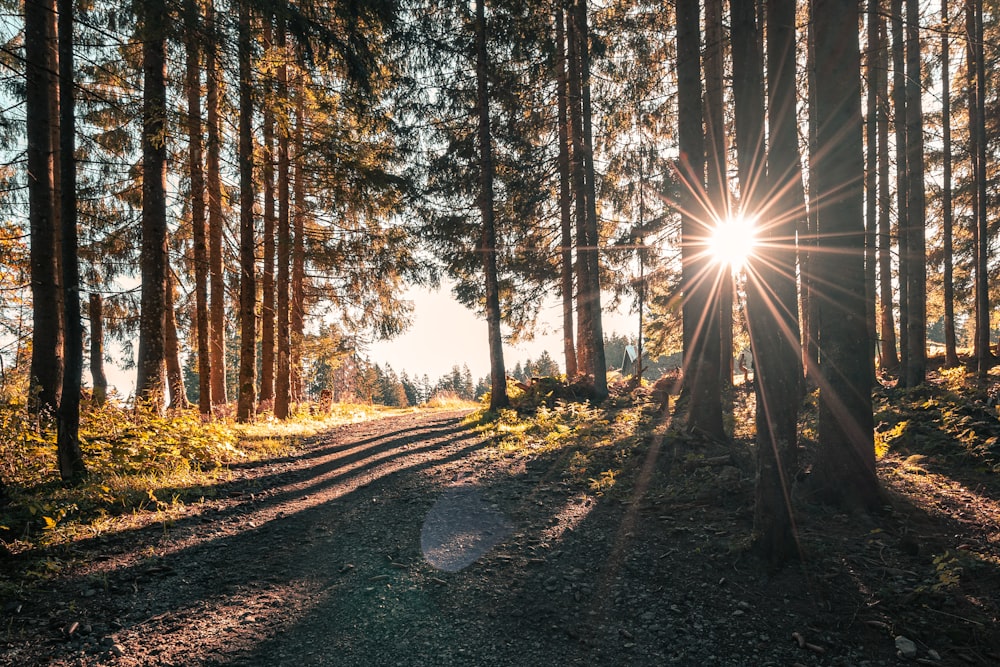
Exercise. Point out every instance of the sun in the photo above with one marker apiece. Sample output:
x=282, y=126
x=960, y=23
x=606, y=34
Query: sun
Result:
x=732, y=242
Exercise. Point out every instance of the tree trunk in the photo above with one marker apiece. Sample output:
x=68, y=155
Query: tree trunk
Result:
x=772, y=300
x=199, y=236
x=97, y=376
x=297, y=322
x=488, y=241
x=844, y=470
x=47, y=341
x=216, y=265
x=175, y=376
x=718, y=174
x=701, y=313
x=282, y=387
x=888, y=355
x=149, y=385
x=248, y=280
x=584, y=325
x=592, y=297
x=947, y=212
x=267, y=313
x=871, y=173
x=565, y=196
x=977, y=141
x=916, y=252
x=809, y=246
x=899, y=116
x=71, y=466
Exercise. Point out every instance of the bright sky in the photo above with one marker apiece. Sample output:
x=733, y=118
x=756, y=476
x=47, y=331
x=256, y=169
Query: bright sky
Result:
x=445, y=333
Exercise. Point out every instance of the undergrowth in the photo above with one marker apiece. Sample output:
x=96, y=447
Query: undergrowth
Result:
x=595, y=443
x=138, y=461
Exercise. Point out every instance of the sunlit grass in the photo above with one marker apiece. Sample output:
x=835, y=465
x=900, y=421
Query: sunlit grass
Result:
x=140, y=464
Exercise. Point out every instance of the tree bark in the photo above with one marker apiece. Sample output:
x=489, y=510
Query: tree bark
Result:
x=97, y=376
x=947, y=209
x=916, y=251
x=248, y=280
x=149, y=386
x=172, y=349
x=216, y=223
x=871, y=172
x=488, y=240
x=297, y=322
x=267, y=312
x=977, y=141
x=844, y=471
x=71, y=465
x=565, y=195
x=198, y=230
x=899, y=116
x=592, y=297
x=888, y=355
x=584, y=325
x=282, y=387
x=718, y=174
x=47, y=342
x=700, y=309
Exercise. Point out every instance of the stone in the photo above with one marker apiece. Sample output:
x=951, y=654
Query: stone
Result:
x=906, y=647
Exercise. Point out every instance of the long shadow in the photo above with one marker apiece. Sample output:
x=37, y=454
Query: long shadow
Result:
x=381, y=452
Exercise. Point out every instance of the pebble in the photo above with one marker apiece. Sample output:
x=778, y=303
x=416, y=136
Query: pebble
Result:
x=906, y=647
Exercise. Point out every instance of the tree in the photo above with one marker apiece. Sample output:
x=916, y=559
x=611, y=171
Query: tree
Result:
x=565, y=193
x=488, y=241
x=97, y=375
x=889, y=359
x=701, y=327
x=977, y=141
x=844, y=471
x=248, y=280
x=216, y=265
x=916, y=244
x=282, y=388
x=47, y=334
x=267, y=310
x=149, y=384
x=198, y=228
x=71, y=465
x=947, y=210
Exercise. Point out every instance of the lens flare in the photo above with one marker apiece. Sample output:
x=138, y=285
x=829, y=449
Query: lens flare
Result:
x=732, y=242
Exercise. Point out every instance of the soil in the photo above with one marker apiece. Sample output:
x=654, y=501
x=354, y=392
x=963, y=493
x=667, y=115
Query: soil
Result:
x=410, y=541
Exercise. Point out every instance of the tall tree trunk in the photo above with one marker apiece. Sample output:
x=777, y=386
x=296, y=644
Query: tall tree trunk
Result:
x=889, y=356
x=871, y=172
x=977, y=136
x=947, y=212
x=565, y=195
x=216, y=264
x=97, y=376
x=267, y=313
x=172, y=349
x=718, y=174
x=248, y=280
x=71, y=466
x=47, y=342
x=198, y=230
x=488, y=241
x=592, y=298
x=844, y=470
x=916, y=276
x=297, y=322
x=899, y=116
x=149, y=385
x=584, y=324
x=282, y=387
x=701, y=314
x=809, y=245
x=772, y=299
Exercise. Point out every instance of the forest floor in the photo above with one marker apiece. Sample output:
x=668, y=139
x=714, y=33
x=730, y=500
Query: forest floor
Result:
x=412, y=540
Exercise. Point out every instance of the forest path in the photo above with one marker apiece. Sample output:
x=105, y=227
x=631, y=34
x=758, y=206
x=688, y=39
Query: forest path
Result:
x=409, y=541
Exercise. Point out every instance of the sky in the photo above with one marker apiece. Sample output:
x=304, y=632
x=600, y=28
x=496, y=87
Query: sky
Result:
x=446, y=333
